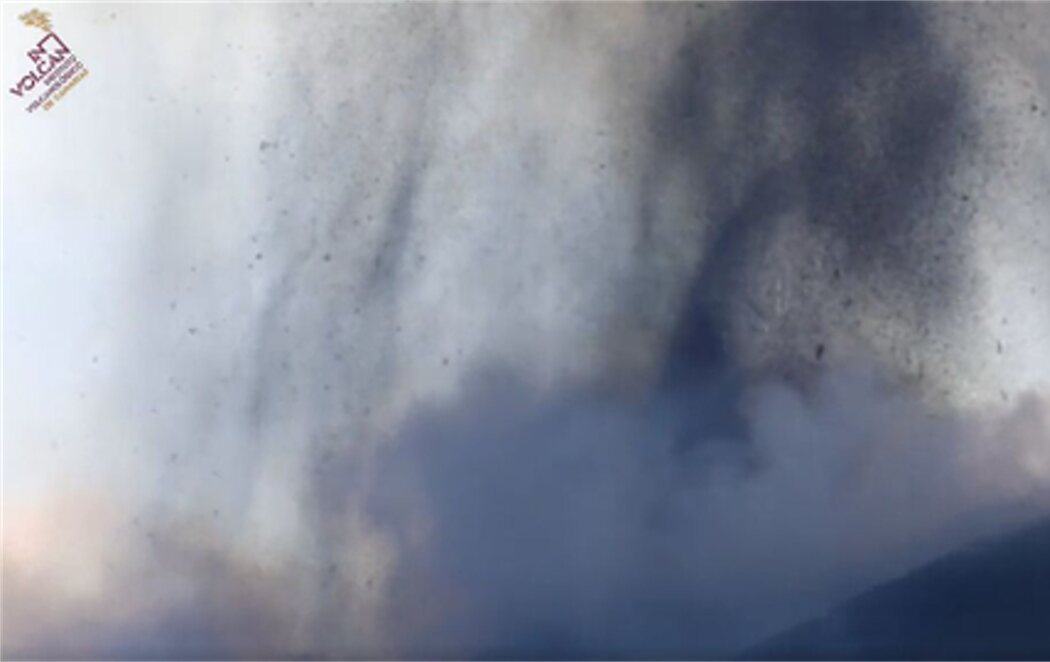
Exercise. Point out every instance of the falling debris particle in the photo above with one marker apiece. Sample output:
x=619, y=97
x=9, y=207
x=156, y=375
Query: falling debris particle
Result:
x=819, y=351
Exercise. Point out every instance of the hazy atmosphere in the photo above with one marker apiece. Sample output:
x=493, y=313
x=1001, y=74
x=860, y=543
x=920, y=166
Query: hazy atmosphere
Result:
x=553, y=330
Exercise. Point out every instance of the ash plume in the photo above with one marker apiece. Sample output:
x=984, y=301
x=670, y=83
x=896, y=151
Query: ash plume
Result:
x=539, y=331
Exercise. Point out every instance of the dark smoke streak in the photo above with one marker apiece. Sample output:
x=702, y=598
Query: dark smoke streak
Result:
x=876, y=116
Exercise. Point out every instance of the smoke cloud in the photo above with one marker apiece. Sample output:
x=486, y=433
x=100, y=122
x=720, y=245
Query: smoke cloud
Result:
x=520, y=331
x=584, y=528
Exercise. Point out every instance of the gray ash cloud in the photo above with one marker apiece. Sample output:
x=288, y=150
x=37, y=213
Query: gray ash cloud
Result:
x=581, y=331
